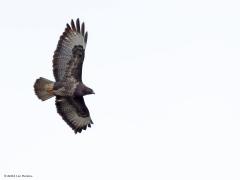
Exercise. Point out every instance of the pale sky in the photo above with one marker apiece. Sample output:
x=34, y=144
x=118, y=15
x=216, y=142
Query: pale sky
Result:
x=167, y=82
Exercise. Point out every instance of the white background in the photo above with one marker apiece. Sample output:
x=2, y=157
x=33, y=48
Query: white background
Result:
x=166, y=76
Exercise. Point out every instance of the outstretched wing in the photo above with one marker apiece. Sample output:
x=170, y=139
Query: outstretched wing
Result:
x=74, y=112
x=73, y=40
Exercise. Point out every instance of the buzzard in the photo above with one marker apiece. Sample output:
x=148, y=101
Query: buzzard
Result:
x=67, y=69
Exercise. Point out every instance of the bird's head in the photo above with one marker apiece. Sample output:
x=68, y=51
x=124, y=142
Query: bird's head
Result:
x=83, y=90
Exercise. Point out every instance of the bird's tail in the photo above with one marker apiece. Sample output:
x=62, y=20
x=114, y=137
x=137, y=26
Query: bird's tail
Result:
x=43, y=88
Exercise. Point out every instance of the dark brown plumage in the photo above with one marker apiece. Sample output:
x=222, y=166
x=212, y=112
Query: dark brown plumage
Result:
x=67, y=69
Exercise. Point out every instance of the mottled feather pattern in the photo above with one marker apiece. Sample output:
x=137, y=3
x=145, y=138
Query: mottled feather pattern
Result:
x=65, y=88
x=74, y=66
x=72, y=36
x=69, y=112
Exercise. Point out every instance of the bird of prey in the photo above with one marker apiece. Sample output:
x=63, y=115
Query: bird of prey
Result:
x=67, y=69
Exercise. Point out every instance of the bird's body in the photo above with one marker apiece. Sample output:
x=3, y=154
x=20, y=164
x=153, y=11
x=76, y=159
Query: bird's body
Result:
x=68, y=88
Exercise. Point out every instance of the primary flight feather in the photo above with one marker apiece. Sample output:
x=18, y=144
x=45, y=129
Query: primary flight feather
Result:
x=67, y=69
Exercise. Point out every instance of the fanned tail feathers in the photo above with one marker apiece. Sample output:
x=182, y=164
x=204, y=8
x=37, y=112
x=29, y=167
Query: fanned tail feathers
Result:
x=43, y=88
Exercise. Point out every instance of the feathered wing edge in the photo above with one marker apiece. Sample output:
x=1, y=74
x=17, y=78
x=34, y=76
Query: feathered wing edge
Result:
x=74, y=35
x=74, y=113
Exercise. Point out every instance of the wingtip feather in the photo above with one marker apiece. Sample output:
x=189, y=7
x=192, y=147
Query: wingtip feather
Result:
x=83, y=29
x=86, y=37
x=73, y=25
x=78, y=25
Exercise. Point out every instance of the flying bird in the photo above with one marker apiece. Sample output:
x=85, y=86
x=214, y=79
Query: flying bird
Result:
x=68, y=87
